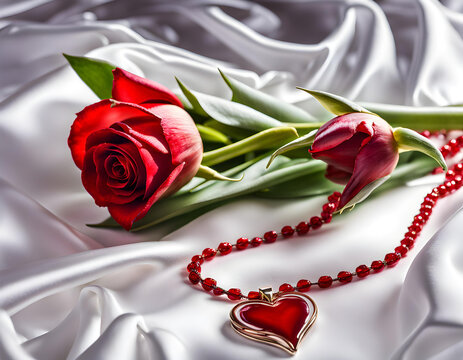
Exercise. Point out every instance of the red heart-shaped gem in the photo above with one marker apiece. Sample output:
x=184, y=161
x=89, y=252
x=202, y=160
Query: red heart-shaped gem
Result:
x=282, y=322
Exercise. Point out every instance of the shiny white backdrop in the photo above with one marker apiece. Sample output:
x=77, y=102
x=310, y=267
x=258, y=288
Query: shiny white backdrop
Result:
x=68, y=291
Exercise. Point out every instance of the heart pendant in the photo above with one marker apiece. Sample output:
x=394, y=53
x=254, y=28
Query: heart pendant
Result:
x=280, y=321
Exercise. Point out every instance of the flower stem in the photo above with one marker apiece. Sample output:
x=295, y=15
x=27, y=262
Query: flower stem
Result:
x=420, y=118
x=267, y=139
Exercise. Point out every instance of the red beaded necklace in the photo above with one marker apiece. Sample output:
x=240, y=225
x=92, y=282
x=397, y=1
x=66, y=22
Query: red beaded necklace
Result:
x=282, y=319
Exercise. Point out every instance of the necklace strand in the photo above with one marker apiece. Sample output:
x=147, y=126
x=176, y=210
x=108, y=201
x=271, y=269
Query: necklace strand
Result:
x=453, y=181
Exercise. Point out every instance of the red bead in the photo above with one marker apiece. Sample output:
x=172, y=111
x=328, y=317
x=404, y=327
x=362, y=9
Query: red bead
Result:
x=442, y=190
x=411, y=234
x=303, y=285
x=255, y=242
x=209, y=253
x=253, y=295
x=302, y=228
x=362, y=271
x=402, y=250
x=391, y=259
x=234, y=294
x=415, y=228
x=337, y=194
x=287, y=231
x=242, y=243
x=426, y=133
x=454, y=148
x=458, y=168
x=326, y=217
x=450, y=174
x=408, y=242
x=450, y=185
x=433, y=196
x=270, y=236
x=458, y=182
x=209, y=284
x=286, y=287
x=225, y=248
x=325, y=281
x=333, y=199
x=194, y=277
x=194, y=266
x=329, y=207
x=419, y=219
x=445, y=150
x=345, y=277
x=425, y=215
x=218, y=291
x=197, y=258
x=427, y=208
x=428, y=201
x=377, y=266
x=315, y=222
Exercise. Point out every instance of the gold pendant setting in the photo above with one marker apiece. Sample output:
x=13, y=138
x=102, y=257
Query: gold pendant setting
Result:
x=281, y=320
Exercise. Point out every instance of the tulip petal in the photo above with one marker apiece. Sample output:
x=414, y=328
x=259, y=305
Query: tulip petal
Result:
x=342, y=128
x=127, y=214
x=337, y=175
x=343, y=155
x=128, y=87
x=375, y=160
x=95, y=117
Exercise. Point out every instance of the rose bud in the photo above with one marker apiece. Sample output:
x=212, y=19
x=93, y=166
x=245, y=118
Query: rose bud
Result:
x=135, y=152
x=359, y=149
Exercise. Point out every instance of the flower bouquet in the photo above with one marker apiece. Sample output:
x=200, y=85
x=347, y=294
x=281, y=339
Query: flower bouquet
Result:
x=151, y=156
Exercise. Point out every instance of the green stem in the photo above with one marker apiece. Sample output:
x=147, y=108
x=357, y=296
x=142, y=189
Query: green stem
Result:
x=419, y=118
x=305, y=128
x=267, y=139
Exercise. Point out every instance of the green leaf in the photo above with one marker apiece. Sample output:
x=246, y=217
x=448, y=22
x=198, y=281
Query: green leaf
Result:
x=410, y=140
x=267, y=139
x=209, y=134
x=97, y=74
x=335, y=104
x=228, y=112
x=231, y=131
x=303, y=141
x=304, y=186
x=208, y=173
x=265, y=103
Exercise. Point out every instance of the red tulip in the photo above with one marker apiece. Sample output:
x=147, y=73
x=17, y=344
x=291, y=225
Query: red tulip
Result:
x=359, y=149
x=135, y=149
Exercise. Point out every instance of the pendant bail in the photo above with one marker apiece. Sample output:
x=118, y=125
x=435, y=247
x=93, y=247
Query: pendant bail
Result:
x=266, y=294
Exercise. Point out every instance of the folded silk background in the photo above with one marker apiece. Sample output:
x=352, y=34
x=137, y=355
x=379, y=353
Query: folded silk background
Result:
x=71, y=292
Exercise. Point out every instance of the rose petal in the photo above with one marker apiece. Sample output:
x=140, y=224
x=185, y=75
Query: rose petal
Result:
x=183, y=139
x=131, y=88
x=95, y=117
x=118, y=195
x=127, y=214
x=146, y=130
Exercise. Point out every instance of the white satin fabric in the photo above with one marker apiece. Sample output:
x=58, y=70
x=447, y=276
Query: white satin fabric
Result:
x=68, y=291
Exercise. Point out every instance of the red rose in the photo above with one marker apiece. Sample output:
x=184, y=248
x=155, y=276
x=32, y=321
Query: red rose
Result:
x=359, y=149
x=135, y=149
